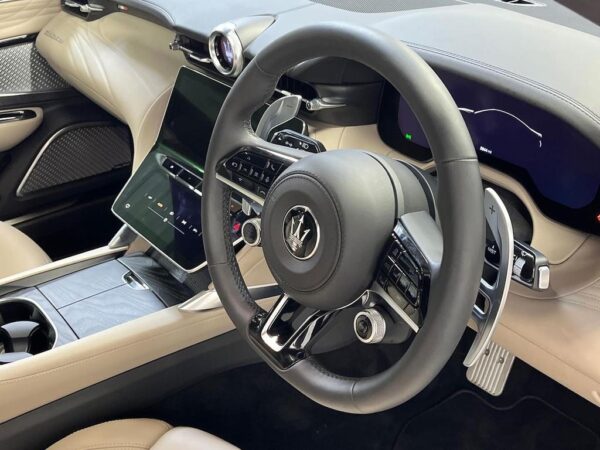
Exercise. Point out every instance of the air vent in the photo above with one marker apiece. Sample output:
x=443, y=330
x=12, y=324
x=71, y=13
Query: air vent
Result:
x=83, y=8
x=521, y=2
x=196, y=52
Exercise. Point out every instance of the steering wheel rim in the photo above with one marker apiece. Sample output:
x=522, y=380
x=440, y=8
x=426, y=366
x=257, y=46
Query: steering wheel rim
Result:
x=460, y=210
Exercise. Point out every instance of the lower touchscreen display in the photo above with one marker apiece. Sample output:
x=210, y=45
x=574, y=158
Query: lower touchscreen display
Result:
x=162, y=201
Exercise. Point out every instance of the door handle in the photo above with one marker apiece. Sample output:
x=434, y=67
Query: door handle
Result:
x=15, y=116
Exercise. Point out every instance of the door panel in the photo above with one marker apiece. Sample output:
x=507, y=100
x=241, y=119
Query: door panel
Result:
x=22, y=17
x=62, y=158
x=17, y=125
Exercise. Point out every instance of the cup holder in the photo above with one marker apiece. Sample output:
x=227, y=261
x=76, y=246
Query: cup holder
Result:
x=25, y=330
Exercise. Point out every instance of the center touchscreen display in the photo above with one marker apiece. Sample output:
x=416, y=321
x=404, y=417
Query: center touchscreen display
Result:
x=162, y=201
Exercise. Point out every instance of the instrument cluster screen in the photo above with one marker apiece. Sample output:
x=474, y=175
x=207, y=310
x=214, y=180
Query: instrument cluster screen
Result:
x=558, y=166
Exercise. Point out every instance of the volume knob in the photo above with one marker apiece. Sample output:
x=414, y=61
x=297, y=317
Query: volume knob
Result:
x=369, y=326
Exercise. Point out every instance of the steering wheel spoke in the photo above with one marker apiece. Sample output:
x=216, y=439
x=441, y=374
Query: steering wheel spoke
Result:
x=287, y=333
x=411, y=260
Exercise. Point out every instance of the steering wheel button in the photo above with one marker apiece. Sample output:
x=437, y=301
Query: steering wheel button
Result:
x=403, y=282
x=395, y=250
x=412, y=292
x=245, y=169
x=262, y=191
x=382, y=280
x=406, y=265
x=387, y=265
x=268, y=179
x=395, y=273
x=243, y=182
x=492, y=253
x=233, y=165
x=254, y=159
x=273, y=166
x=255, y=174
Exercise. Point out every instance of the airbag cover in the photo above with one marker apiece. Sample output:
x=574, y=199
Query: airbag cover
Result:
x=325, y=222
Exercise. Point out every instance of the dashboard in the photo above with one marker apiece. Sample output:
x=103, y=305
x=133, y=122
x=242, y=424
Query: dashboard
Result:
x=534, y=63
x=162, y=202
x=559, y=167
x=489, y=58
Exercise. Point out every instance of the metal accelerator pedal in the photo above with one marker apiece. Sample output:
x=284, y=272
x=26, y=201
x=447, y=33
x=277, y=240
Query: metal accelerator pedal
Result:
x=491, y=370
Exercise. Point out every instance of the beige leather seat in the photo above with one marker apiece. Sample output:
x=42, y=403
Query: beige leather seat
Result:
x=18, y=252
x=136, y=434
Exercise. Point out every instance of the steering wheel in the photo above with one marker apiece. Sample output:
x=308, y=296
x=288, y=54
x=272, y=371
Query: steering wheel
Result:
x=335, y=224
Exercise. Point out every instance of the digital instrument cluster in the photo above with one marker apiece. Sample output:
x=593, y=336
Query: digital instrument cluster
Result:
x=559, y=167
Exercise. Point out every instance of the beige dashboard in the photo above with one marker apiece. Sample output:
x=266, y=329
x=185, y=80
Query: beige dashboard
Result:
x=124, y=64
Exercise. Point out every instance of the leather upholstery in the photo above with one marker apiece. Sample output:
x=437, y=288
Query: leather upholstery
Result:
x=19, y=252
x=147, y=434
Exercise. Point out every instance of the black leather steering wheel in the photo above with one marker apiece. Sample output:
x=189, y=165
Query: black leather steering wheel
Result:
x=329, y=220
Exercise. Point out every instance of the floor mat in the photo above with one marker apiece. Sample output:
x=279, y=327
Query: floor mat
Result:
x=466, y=421
x=254, y=408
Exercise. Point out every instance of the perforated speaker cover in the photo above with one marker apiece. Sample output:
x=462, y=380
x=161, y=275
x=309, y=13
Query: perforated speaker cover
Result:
x=23, y=69
x=78, y=153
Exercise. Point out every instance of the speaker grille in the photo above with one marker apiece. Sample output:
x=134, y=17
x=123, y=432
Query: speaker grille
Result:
x=23, y=69
x=77, y=153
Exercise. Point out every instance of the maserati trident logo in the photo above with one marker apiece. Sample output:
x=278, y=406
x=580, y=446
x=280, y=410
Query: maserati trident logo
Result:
x=301, y=232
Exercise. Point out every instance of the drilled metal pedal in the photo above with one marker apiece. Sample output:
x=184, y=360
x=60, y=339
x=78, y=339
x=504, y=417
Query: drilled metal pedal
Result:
x=491, y=369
